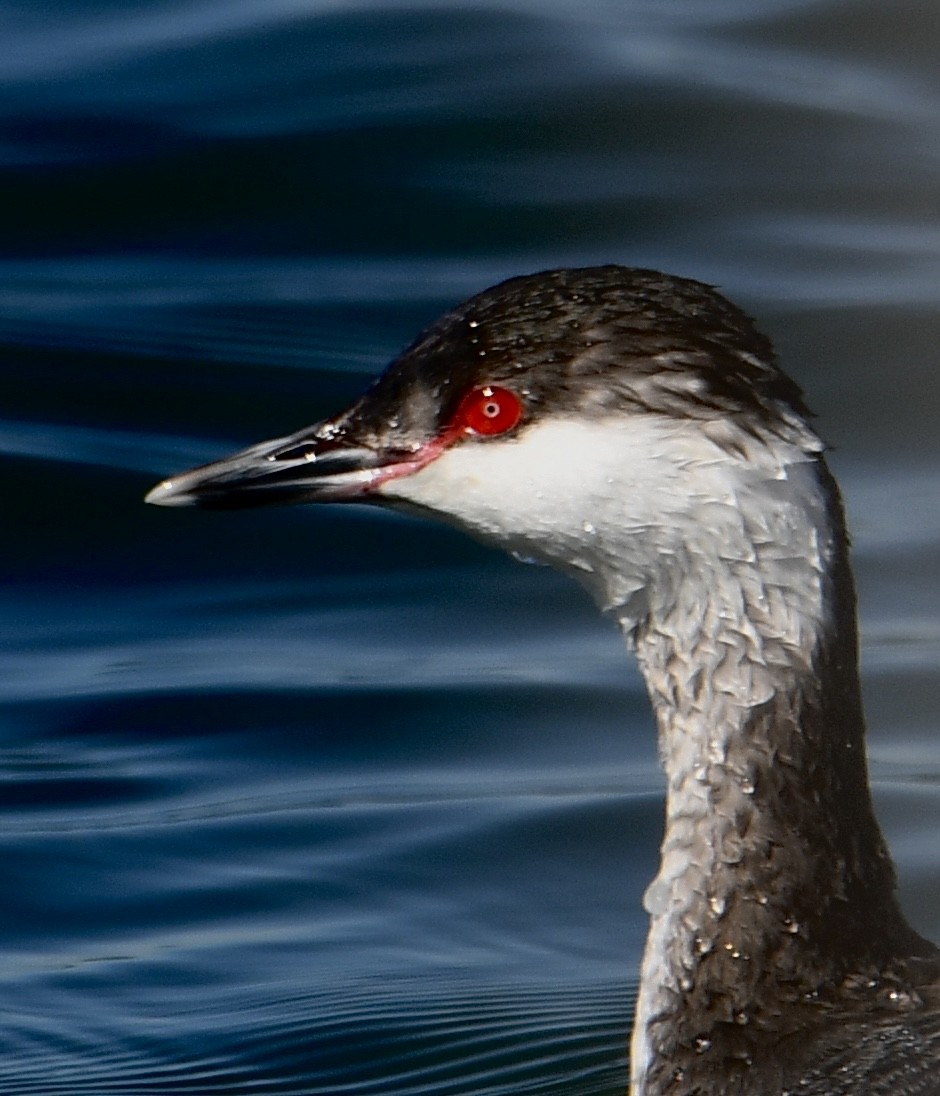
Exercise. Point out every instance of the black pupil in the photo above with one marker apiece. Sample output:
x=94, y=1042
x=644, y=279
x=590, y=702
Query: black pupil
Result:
x=491, y=409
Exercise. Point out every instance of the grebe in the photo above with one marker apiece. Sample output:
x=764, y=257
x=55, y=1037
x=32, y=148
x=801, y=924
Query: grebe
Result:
x=634, y=430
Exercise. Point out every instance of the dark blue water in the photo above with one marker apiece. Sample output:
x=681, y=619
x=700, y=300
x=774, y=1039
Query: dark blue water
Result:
x=310, y=802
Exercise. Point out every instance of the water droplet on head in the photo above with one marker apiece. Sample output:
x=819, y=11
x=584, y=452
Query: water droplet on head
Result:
x=903, y=999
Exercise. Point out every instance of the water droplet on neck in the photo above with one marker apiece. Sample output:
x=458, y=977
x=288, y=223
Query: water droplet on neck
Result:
x=521, y=557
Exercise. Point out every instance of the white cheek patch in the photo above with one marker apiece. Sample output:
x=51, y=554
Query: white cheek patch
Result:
x=558, y=474
x=544, y=493
x=614, y=501
x=513, y=483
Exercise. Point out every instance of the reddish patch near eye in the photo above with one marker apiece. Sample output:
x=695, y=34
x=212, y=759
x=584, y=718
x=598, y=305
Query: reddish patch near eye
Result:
x=489, y=410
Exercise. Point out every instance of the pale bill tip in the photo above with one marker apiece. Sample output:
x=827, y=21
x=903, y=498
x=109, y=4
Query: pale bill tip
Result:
x=168, y=493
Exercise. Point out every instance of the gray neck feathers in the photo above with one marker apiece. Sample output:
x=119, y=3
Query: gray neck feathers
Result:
x=775, y=886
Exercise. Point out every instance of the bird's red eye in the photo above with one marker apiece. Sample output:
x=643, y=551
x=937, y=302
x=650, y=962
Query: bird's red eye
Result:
x=488, y=410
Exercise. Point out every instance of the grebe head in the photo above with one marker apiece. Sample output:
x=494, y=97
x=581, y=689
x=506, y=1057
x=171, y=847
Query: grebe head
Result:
x=596, y=419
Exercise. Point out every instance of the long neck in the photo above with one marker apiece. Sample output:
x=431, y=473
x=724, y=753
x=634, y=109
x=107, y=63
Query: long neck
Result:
x=774, y=880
